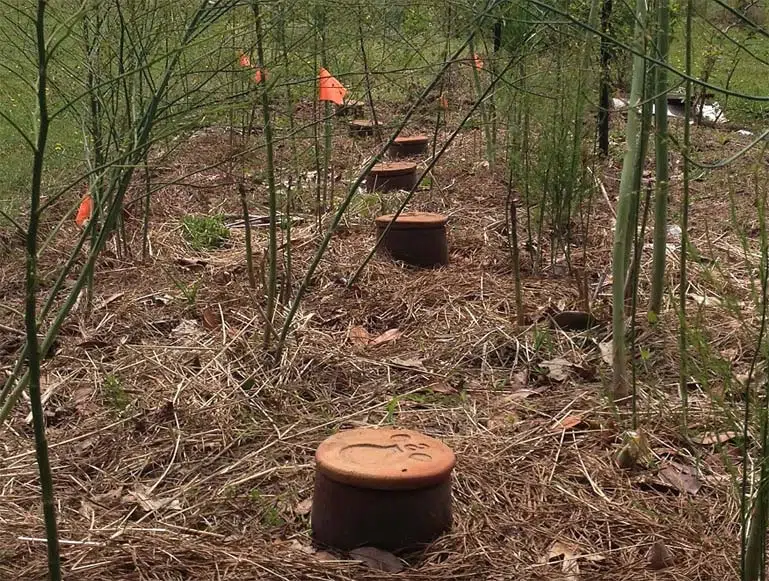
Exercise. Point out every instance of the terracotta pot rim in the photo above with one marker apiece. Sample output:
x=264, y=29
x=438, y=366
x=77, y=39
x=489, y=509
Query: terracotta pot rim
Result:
x=410, y=460
x=424, y=220
x=411, y=139
x=393, y=168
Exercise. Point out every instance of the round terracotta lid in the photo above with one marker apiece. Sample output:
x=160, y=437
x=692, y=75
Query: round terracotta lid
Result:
x=412, y=139
x=413, y=220
x=385, y=459
x=394, y=168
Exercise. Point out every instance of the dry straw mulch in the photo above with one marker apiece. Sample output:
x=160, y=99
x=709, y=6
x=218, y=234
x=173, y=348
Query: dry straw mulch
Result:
x=180, y=451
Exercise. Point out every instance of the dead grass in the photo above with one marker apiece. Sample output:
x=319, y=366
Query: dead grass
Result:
x=198, y=474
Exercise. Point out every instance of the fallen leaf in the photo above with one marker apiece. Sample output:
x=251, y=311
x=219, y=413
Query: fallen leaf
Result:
x=302, y=548
x=210, y=318
x=731, y=354
x=186, y=328
x=191, y=262
x=519, y=380
x=409, y=363
x=502, y=420
x=110, y=497
x=557, y=369
x=47, y=388
x=680, y=477
x=81, y=394
x=86, y=510
x=566, y=552
x=359, y=336
x=160, y=299
x=660, y=556
x=520, y=394
x=567, y=423
x=111, y=299
x=386, y=337
x=709, y=438
x=443, y=388
x=742, y=378
x=378, y=559
x=635, y=449
x=304, y=507
x=141, y=496
x=325, y=556
x=606, y=352
x=674, y=233
x=704, y=301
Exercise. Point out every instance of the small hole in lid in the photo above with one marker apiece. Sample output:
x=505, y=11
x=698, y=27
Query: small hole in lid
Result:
x=404, y=470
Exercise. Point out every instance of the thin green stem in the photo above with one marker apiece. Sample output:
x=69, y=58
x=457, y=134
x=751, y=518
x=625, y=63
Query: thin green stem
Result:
x=683, y=283
x=272, y=252
x=30, y=316
x=625, y=205
x=661, y=161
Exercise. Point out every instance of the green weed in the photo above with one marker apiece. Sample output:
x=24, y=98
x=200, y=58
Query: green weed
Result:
x=115, y=393
x=543, y=341
x=269, y=515
x=205, y=232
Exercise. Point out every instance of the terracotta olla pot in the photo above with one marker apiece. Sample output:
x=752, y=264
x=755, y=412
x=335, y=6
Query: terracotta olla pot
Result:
x=396, y=175
x=387, y=488
x=351, y=109
x=361, y=128
x=417, y=238
x=408, y=146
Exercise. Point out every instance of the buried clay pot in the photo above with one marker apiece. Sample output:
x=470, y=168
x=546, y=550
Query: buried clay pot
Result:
x=386, y=488
x=396, y=175
x=408, y=146
x=351, y=108
x=417, y=238
x=361, y=128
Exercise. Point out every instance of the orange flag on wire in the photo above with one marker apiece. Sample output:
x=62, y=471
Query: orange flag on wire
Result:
x=84, y=211
x=477, y=61
x=245, y=62
x=329, y=89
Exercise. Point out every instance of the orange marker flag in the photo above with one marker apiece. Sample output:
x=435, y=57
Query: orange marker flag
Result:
x=258, y=76
x=444, y=103
x=84, y=211
x=478, y=61
x=329, y=89
x=245, y=60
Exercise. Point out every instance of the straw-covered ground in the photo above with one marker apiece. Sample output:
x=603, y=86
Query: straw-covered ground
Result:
x=181, y=451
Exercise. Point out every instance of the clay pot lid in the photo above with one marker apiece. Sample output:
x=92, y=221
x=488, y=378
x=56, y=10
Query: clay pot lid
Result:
x=412, y=139
x=413, y=220
x=385, y=459
x=394, y=168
